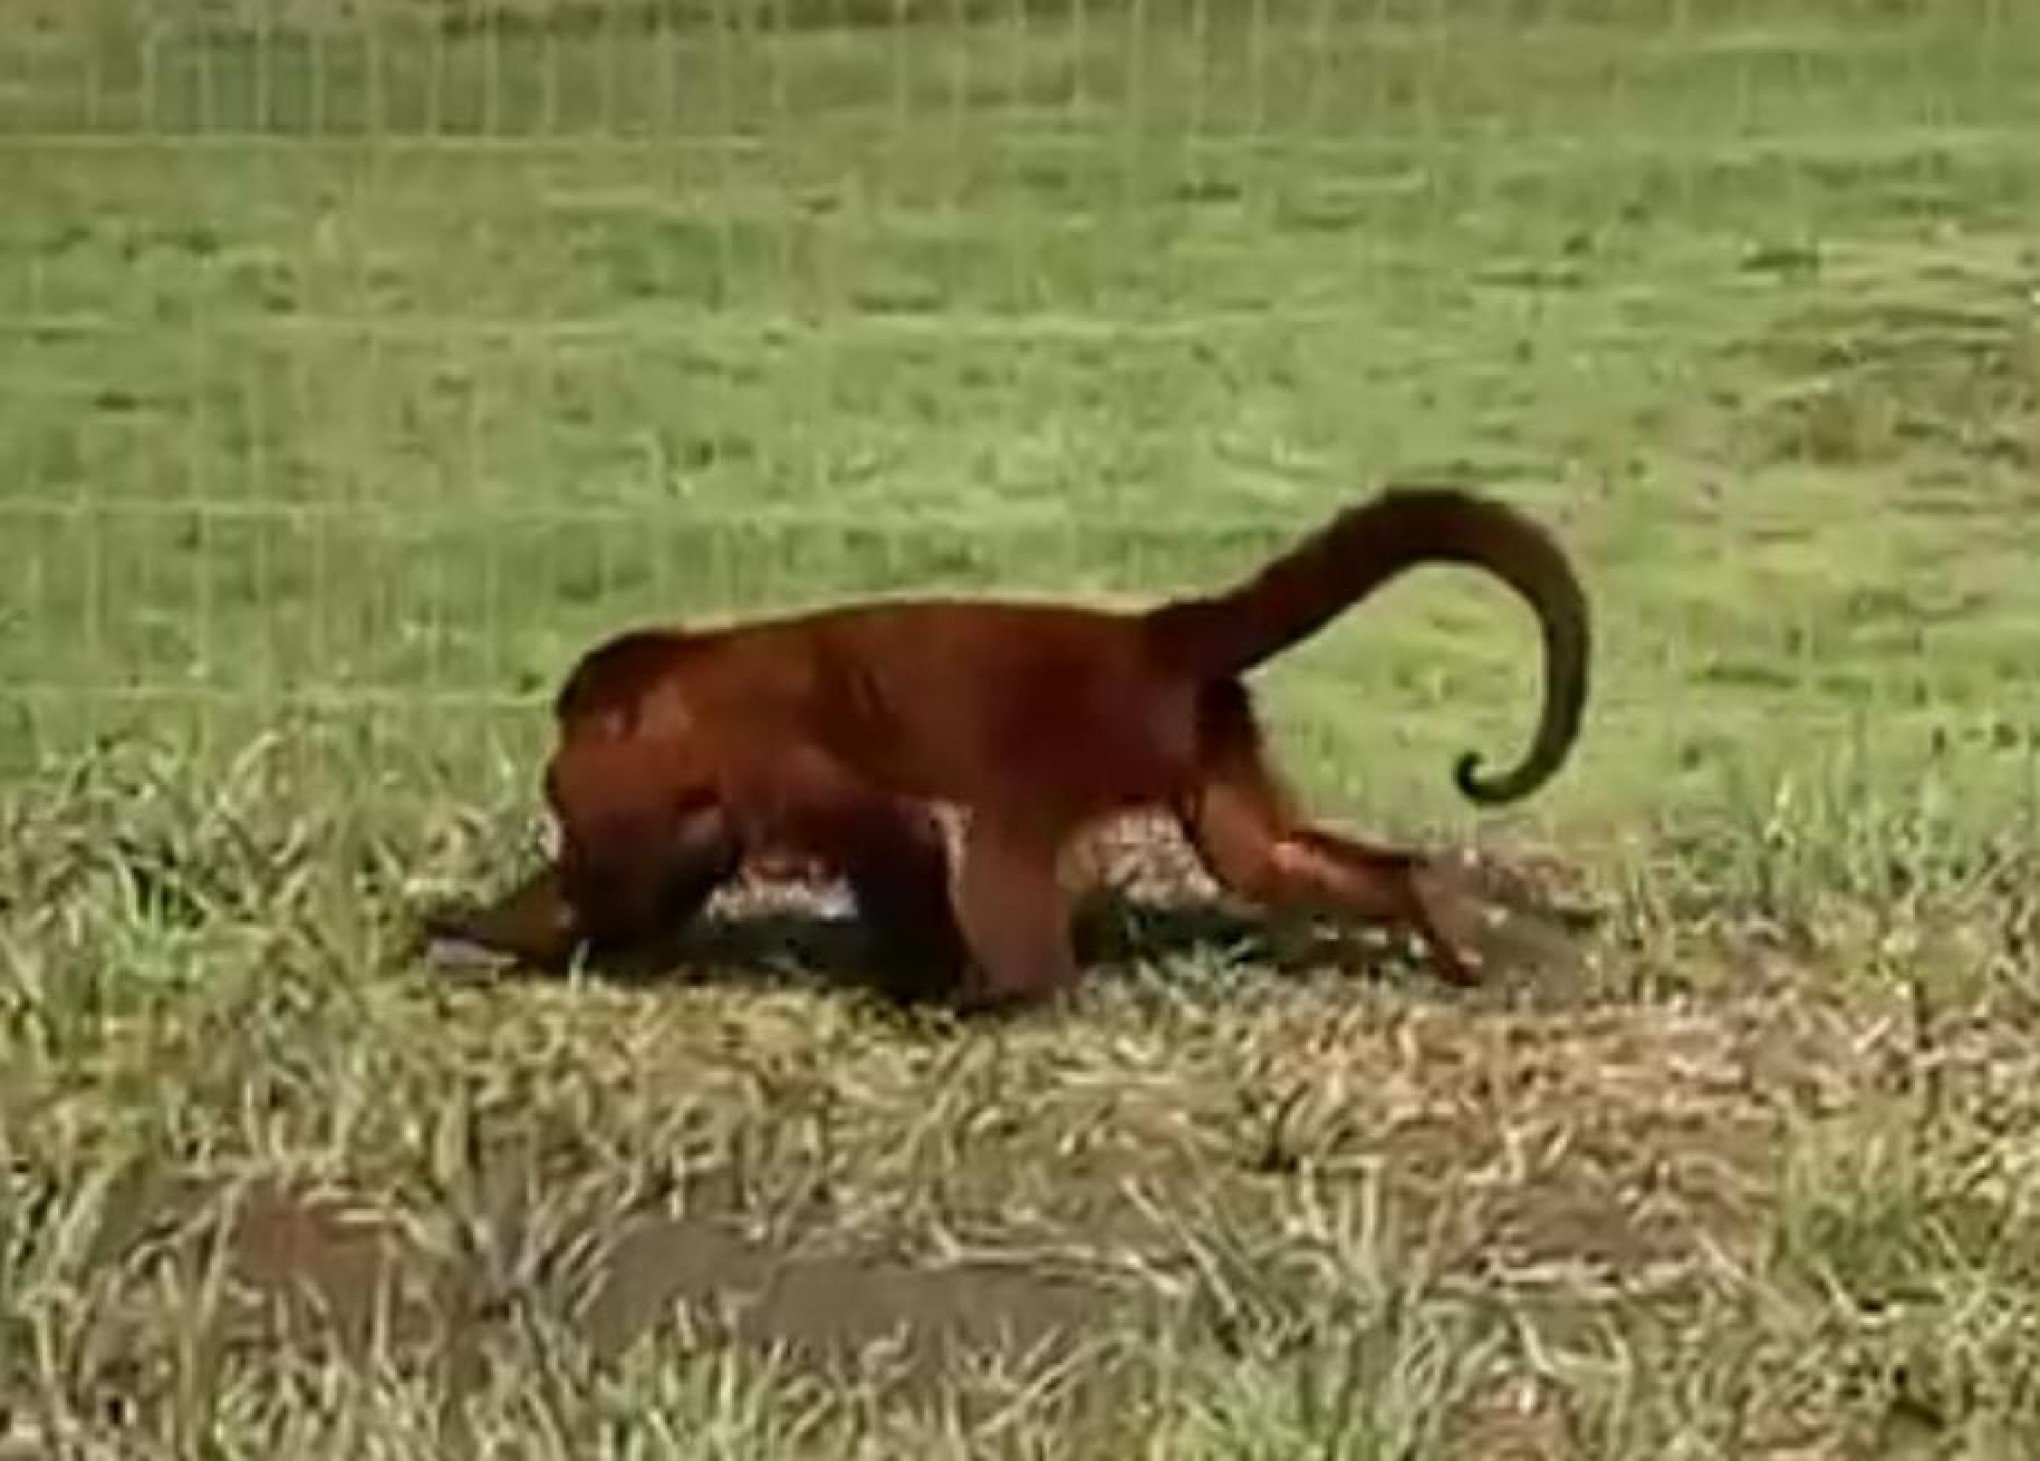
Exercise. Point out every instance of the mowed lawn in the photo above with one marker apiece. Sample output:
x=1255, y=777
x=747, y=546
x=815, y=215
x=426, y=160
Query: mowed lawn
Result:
x=356, y=374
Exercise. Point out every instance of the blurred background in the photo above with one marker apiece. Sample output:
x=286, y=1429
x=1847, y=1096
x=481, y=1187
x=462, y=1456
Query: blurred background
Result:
x=363, y=360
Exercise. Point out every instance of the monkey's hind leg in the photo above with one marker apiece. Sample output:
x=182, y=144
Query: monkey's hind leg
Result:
x=1245, y=827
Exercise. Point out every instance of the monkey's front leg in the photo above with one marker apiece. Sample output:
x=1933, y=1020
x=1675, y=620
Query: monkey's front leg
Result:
x=1015, y=917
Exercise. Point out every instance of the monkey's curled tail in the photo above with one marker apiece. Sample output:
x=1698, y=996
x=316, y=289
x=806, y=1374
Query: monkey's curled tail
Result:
x=1219, y=635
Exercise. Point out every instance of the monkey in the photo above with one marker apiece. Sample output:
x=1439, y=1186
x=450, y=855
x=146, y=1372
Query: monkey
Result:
x=831, y=736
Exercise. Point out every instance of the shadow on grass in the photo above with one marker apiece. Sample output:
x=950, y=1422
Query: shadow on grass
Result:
x=806, y=947
x=1117, y=936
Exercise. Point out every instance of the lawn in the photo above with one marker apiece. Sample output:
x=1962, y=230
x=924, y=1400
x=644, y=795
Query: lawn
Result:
x=361, y=363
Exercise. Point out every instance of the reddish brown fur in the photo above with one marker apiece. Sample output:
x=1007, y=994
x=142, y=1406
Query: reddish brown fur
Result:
x=830, y=735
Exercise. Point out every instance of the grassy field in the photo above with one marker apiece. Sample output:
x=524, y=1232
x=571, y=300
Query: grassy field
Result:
x=358, y=364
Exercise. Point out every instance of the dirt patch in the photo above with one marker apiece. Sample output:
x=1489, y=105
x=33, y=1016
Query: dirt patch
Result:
x=312, y=1269
x=1520, y=1418
x=1606, y=1153
x=1609, y=1149
x=318, y=1264
x=832, y=1308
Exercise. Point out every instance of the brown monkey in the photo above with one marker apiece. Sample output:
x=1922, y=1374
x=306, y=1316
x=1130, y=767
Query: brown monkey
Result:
x=831, y=734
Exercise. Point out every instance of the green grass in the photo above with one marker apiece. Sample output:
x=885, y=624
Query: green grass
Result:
x=353, y=377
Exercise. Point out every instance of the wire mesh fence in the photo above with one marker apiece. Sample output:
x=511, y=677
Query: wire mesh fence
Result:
x=366, y=358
